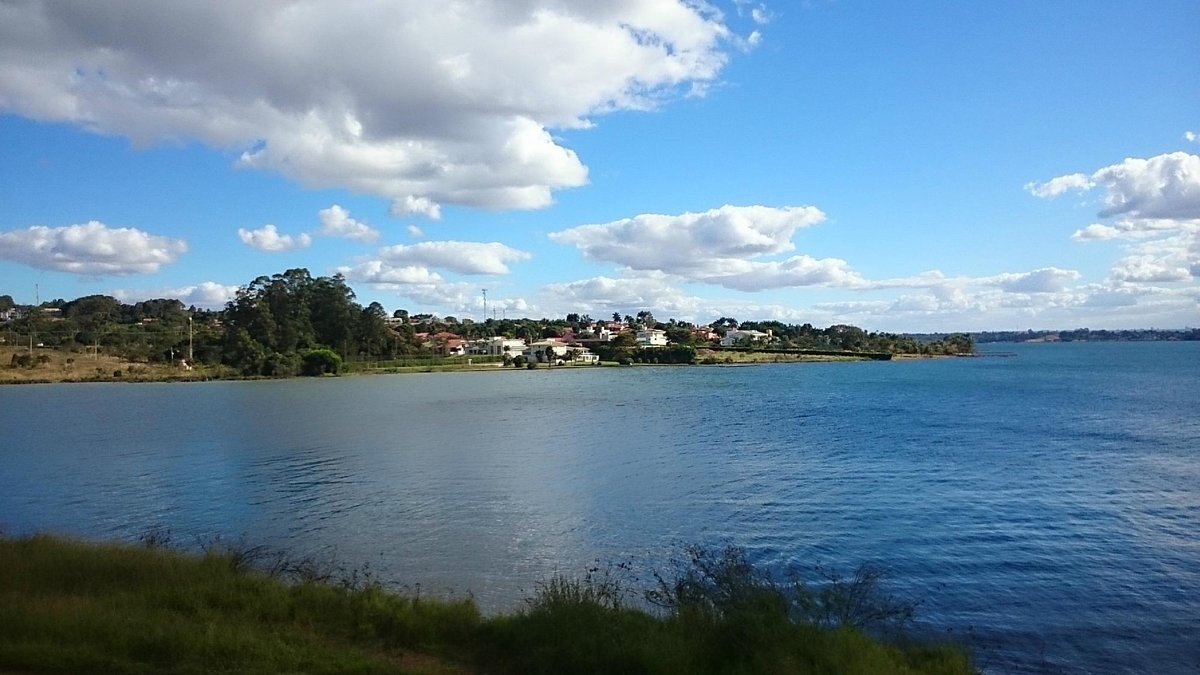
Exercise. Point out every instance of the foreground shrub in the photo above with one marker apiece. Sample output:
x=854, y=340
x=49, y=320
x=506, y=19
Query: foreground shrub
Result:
x=321, y=362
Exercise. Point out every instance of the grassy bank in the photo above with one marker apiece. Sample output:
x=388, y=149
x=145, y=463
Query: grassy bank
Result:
x=54, y=365
x=75, y=607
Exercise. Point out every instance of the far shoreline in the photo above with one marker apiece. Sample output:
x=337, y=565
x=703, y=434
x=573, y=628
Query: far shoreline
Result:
x=152, y=374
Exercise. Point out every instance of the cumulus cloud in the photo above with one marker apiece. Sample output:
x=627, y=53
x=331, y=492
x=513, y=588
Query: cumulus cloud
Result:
x=1191, y=136
x=380, y=273
x=207, y=294
x=269, y=240
x=1158, y=204
x=1164, y=186
x=716, y=246
x=415, y=232
x=336, y=222
x=421, y=103
x=90, y=249
x=668, y=243
x=464, y=257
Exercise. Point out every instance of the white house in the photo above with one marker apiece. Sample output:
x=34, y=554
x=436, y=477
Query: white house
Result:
x=498, y=346
x=652, y=337
x=548, y=351
x=556, y=351
x=736, y=337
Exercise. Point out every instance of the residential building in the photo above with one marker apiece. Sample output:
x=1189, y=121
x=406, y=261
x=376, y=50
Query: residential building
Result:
x=498, y=346
x=558, y=352
x=736, y=338
x=652, y=337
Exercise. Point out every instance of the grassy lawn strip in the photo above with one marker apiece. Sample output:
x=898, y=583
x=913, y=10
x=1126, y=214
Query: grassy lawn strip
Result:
x=67, y=606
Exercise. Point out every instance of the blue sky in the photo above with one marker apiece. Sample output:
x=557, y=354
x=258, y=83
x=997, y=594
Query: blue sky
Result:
x=899, y=166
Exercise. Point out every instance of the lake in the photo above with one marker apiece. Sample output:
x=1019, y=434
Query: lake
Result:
x=1044, y=506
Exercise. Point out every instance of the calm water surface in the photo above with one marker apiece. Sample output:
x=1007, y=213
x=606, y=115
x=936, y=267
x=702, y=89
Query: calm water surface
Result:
x=1047, y=504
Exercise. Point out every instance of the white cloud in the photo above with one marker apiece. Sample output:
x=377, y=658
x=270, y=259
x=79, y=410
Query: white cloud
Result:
x=622, y=295
x=715, y=246
x=1096, y=232
x=415, y=206
x=90, y=249
x=207, y=294
x=421, y=103
x=1044, y=280
x=336, y=222
x=1158, y=201
x=599, y=296
x=1149, y=268
x=1165, y=186
x=428, y=288
x=663, y=242
x=1136, y=229
x=928, y=279
x=464, y=257
x=757, y=11
x=1191, y=136
x=415, y=232
x=378, y=272
x=269, y=240
x=801, y=270
x=1057, y=186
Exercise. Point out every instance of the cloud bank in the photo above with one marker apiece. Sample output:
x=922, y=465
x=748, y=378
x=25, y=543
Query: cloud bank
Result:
x=422, y=103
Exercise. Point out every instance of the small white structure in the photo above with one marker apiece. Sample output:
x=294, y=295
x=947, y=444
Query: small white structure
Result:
x=588, y=358
x=652, y=337
x=736, y=337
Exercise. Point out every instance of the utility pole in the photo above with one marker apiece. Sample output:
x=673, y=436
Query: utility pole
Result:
x=485, y=305
x=190, y=340
x=37, y=309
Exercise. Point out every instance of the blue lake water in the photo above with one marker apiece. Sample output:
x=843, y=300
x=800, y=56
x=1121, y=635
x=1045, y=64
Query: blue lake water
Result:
x=1044, y=506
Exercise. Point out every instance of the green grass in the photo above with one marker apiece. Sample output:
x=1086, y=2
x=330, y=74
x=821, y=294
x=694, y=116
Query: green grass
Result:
x=68, y=606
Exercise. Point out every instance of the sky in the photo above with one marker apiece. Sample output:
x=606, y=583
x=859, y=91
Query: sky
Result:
x=901, y=166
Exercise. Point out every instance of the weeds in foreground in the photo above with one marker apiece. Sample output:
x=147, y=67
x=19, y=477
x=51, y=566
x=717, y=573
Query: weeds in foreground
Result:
x=72, y=607
x=713, y=612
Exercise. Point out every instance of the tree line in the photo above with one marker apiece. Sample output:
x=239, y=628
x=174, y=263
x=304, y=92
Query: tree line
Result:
x=293, y=323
